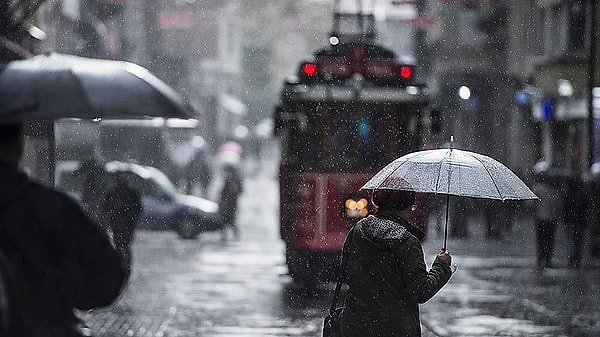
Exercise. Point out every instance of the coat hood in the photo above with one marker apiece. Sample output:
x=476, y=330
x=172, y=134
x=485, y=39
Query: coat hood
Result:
x=383, y=233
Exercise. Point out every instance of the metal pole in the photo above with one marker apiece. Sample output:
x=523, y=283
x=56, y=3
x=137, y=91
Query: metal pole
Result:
x=446, y=226
x=448, y=197
x=591, y=82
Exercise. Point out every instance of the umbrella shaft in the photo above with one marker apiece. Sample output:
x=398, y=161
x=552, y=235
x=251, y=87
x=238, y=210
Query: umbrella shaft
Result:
x=446, y=226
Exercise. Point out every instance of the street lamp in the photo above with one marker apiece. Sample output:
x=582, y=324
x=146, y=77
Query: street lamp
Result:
x=464, y=92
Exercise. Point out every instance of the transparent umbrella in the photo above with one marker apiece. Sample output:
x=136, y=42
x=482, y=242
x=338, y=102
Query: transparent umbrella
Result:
x=451, y=172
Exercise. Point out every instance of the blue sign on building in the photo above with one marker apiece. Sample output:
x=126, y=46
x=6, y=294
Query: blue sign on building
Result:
x=547, y=108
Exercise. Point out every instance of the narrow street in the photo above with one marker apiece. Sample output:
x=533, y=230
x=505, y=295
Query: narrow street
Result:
x=222, y=286
x=216, y=285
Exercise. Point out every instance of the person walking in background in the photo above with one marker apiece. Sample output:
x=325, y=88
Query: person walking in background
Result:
x=575, y=210
x=61, y=260
x=547, y=215
x=123, y=206
x=386, y=271
x=199, y=174
x=94, y=186
x=232, y=188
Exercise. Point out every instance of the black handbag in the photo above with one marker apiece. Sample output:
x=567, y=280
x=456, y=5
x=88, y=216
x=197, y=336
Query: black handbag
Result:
x=332, y=323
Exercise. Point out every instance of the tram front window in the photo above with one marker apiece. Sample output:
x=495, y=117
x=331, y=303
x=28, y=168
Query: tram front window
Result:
x=340, y=139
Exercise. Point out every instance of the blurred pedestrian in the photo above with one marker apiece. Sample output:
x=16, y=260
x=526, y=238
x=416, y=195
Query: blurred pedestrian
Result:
x=575, y=210
x=92, y=192
x=199, y=174
x=593, y=235
x=230, y=192
x=386, y=271
x=123, y=206
x=547, y=216
x=60, y=258
x=498, y=216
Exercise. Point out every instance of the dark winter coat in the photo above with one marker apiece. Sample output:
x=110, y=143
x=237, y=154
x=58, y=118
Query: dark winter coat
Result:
x=123, y=206
x=61, y=259
x=387, y=280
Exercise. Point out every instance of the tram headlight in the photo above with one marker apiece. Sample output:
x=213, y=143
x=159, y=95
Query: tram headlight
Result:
x=357, y=208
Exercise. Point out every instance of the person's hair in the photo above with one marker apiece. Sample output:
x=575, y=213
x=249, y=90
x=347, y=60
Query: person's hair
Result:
x=393, y=199
x=10, y=135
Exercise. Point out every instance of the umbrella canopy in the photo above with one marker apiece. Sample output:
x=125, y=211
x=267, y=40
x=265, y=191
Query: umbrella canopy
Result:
x=452, y=172
x=53, y=86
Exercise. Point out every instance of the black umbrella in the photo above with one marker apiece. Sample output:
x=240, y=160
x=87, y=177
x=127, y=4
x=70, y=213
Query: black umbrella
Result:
x=451, y=172
x=53, y=86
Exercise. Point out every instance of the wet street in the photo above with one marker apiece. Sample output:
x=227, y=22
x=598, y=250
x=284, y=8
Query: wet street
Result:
x=226, y=286
x=216, y=285
x=498, y=291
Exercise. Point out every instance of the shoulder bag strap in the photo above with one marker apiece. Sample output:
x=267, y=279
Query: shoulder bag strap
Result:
x=342, y=271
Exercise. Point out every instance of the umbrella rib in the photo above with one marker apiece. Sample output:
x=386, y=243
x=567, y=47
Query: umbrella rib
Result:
x=386, y=177
x=437, y=183
x=493, y=181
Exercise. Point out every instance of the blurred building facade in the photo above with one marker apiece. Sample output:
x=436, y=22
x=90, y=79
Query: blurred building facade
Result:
x=518, y=80
x=473, y=81
x=210, y=51
x=526, y=64
x=515, y=72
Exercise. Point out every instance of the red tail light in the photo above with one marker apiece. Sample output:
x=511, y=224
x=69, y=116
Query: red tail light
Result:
x=309, y=69
x=406, y=72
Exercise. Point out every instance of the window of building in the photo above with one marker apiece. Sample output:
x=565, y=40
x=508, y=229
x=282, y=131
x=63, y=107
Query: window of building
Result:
x=534, y=30
x=568, y=28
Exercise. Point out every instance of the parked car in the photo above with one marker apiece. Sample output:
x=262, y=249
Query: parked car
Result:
x=164, y=206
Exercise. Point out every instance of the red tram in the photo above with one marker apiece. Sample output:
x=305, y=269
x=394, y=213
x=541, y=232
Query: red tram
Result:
x=349, y=111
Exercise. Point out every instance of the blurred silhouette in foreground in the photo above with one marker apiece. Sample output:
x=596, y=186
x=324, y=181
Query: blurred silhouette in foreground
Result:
x=60, y=259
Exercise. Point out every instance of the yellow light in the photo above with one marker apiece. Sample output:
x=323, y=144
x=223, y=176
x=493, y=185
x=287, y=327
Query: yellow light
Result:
x=356, y=208
x=350, y=204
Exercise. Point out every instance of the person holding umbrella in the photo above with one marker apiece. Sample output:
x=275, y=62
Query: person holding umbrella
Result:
x=386, y=271
x=387, y=276
x=61, y=260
